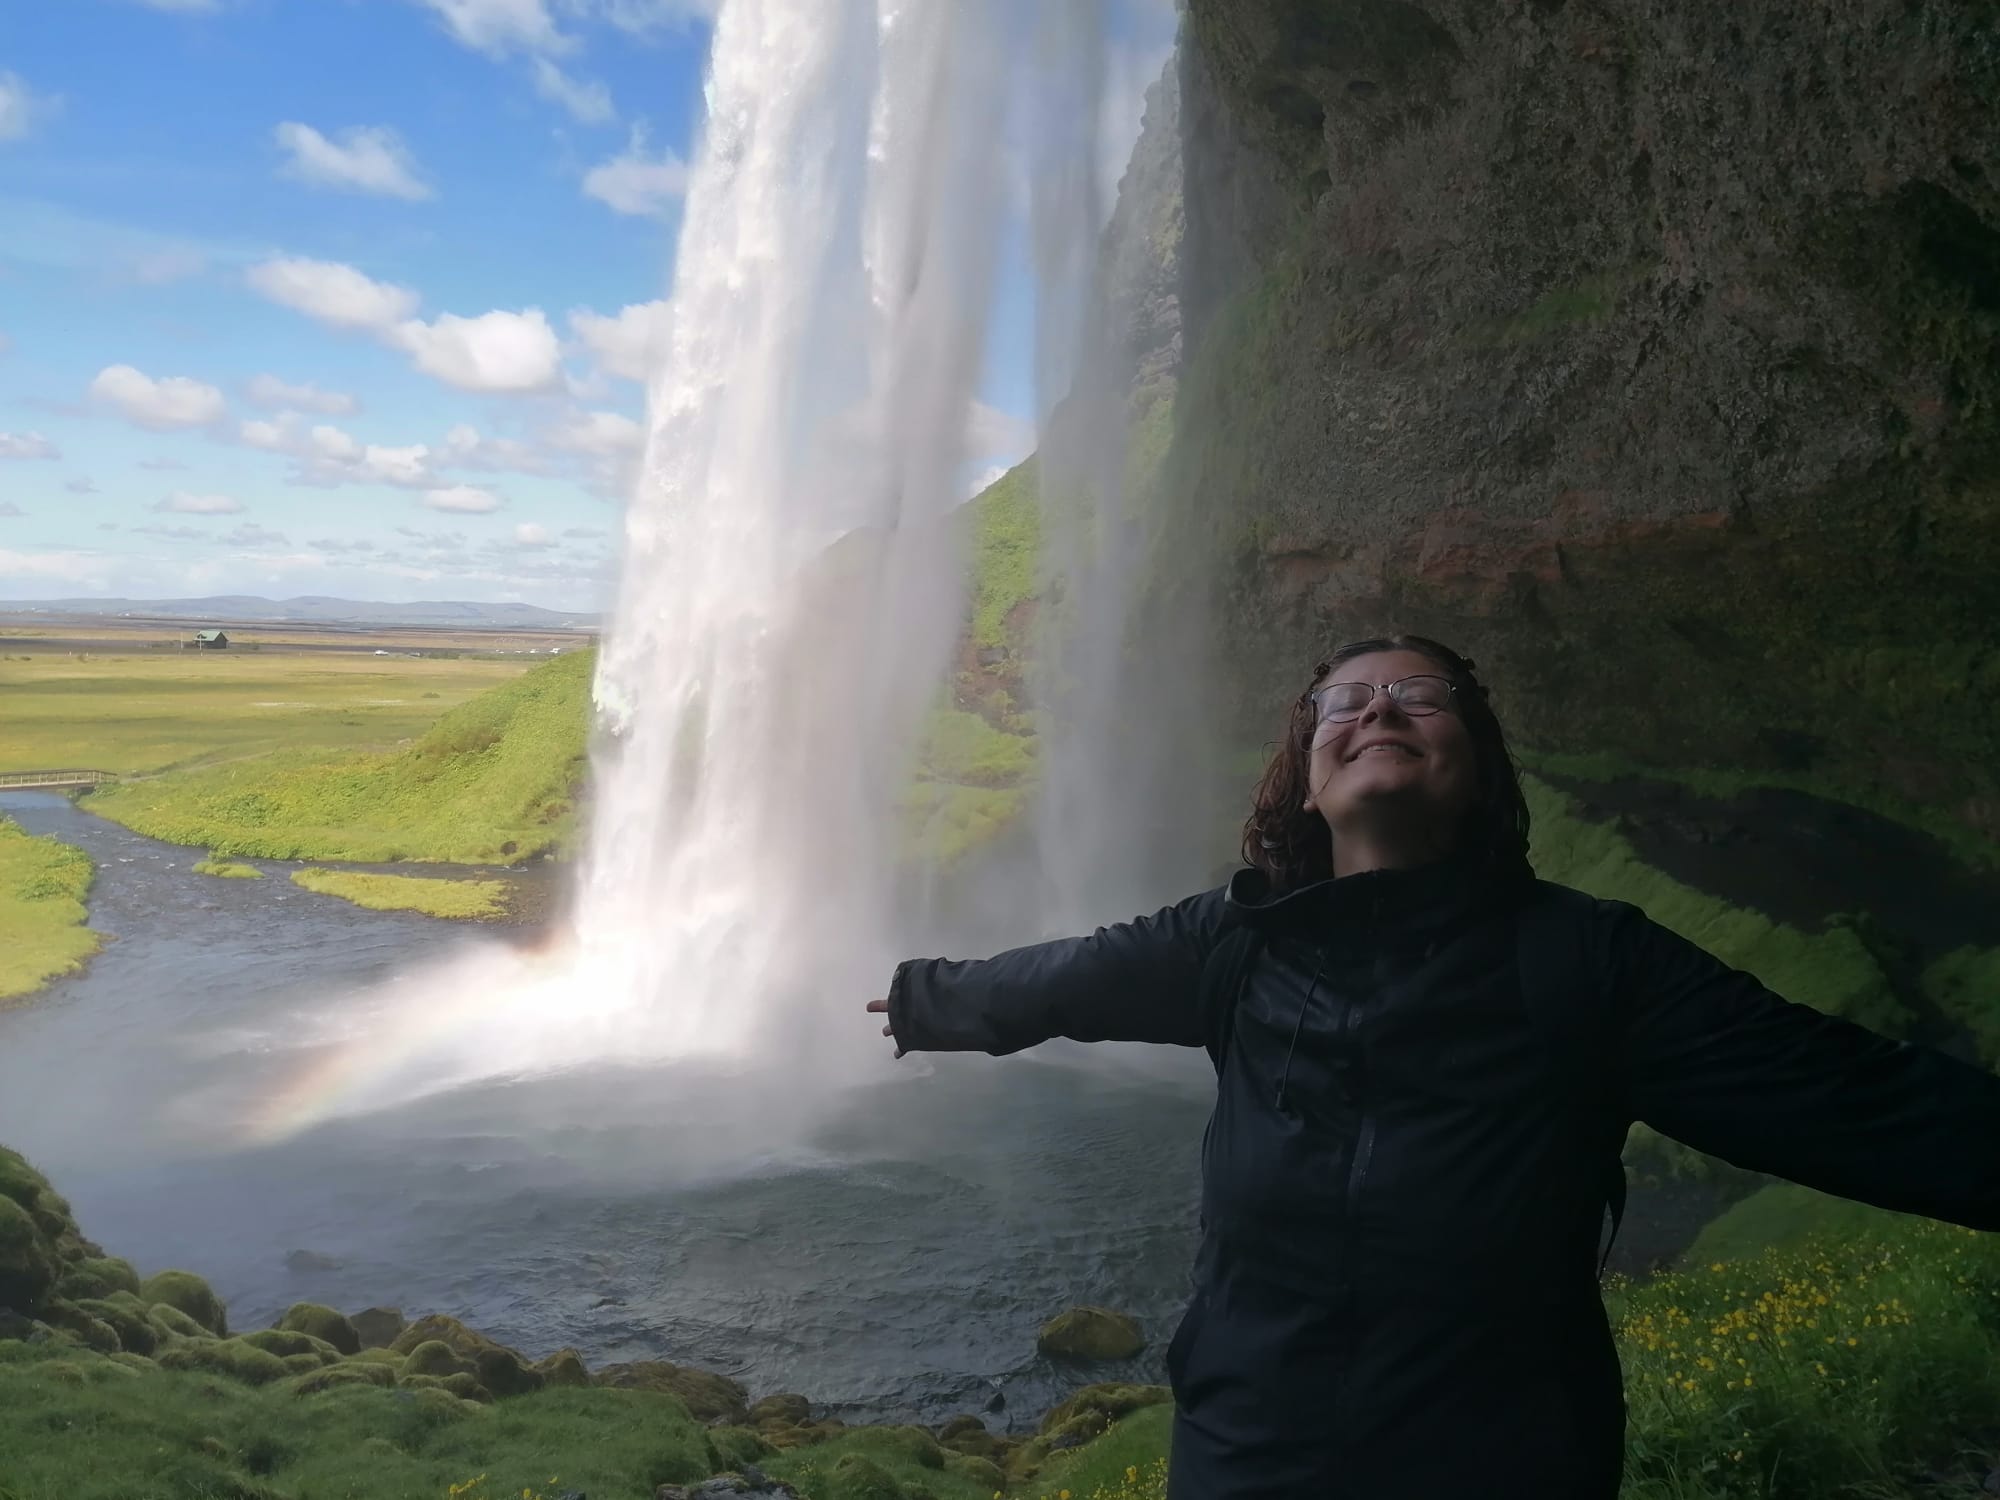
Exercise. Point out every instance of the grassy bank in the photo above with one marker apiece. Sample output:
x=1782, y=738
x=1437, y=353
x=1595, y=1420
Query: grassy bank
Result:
x=491, y=782
x=140, y=713
x=457, y=900
x=43, y=884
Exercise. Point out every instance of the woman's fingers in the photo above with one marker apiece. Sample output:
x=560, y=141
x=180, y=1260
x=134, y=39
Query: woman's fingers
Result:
x=880, y=1007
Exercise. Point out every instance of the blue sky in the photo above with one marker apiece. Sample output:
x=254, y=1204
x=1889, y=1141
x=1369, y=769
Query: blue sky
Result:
x=357, y=296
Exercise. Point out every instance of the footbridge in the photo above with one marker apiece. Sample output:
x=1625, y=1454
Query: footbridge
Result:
x=15, y=781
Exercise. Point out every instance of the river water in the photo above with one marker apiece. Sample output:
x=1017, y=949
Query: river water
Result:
x=895, y=1264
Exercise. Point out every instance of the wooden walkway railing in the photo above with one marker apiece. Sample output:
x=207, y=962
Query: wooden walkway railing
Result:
x=22, y=779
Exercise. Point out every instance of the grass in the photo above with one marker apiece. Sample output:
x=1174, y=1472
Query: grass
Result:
x=972, y=782
x=228, y=869
x=459, y=900
x=137, y=714
x=491, y=782
x=1006, y=544
x=1127, y=1463
x=43, y=884
x=1965, y=985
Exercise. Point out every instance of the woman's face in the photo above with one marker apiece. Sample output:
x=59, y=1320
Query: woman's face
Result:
x=1386, y=762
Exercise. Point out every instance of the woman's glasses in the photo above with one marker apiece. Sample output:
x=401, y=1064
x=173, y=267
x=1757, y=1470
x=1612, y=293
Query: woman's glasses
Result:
x=1342, y=702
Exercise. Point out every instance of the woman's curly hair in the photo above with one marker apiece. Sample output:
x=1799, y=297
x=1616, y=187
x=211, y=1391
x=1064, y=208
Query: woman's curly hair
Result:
x=1293, y=845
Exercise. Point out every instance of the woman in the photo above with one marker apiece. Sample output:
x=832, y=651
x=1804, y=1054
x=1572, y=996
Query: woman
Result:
x=1417, y=1116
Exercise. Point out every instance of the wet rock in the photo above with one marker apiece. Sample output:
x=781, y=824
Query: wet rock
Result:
x=751, y=1484
x=306, y=1262
x=188, y=1293
x=563, y=1368
x=1091, y=1335
x=379, y=1327
x=997, y=1401
x=958, y=1427
x=322, y=1323
x=709, y=1397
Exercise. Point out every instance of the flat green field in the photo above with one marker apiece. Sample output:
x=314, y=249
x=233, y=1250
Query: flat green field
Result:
x=141, y=713
x=42, y=888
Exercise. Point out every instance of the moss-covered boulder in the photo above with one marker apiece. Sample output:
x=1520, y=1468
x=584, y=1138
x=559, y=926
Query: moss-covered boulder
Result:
x=20, y=1182
x=441, y=1328
x=171, y=1323
x=127, y=1315
x=434, y=1357
x=322, y=1323
x=855, y=1476
x=563, y=1368
x=190, y=1294
x=348, y=1372
x=980, y=1471
x=379, y=1327
x=303, y=1364
x=81, y=1327
x=228, y=1357
x=909, y=1444
x=97, y=1276
x=1113, y=1402
x=1090, y=1335
x=505, y=1373
x=709, y=1397
x=28, y=1267
x=466, y=1387
x=734, y=1448
x=288, y=1343
x=784, y=1409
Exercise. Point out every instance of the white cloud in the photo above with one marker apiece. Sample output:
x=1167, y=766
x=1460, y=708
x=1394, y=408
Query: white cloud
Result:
x=9, y=509
x=631, y=344
x=499, y=27
x=174, y=533
x=636, y=183
x=465, y=447
x=652, y=15
x=250, y=534
x=600, y=434
x=21, y=108
x=270, y=391
x=175, y=401
x=63, y=567
x=463, y=498
x=181, y=503
x=27, y=445
x=333, y=293
x=985, y=480
x=496, y=351
x=585, y=98
x=533, y=534
x=366, y=159
x=993, y=433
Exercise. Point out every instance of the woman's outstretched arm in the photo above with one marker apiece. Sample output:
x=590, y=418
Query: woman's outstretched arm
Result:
x=1716, y=1060
x=1137, y=981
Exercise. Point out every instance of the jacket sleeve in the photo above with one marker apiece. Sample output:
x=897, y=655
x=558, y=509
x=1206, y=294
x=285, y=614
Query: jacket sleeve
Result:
x=1137, y=981
x=1719, y=1062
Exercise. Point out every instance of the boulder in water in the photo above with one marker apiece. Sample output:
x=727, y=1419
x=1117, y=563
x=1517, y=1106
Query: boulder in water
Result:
x=708, y=1397
x=188, y=1293
x=1091, y=1335
x=379, y=1327
x=306, y=1262
x=322, y=1323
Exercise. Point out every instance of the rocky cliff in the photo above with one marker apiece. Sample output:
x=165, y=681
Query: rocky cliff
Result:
x=1649, y=352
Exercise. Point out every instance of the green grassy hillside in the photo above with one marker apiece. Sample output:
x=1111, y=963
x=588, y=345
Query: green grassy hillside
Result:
x=493, y=781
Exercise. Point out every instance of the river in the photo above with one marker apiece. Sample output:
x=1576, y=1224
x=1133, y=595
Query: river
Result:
x=895, y=1265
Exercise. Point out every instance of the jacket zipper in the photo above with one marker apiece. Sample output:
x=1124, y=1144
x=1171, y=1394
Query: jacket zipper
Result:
x=1357, y=1170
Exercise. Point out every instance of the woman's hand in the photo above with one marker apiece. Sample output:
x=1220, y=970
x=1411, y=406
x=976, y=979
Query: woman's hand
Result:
x=881, y=1008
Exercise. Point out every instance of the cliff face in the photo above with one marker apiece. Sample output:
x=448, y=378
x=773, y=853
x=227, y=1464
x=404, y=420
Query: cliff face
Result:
x=1650, y=353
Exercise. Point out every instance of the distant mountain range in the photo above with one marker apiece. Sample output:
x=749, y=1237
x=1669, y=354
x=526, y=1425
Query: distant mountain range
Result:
x=314, y=610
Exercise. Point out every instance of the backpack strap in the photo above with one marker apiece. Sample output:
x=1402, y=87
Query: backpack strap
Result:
x=1566, y=1001
x=1222, y=978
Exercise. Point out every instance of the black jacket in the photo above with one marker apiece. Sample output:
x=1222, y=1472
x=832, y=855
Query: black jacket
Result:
x=1396, y=1292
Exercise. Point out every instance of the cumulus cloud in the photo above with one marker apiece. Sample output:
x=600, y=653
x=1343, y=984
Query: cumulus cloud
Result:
x=176, y=401
x=465, y=447
x=182, y=503
x=496, y=351
x=631, y=344
x=324, y=456
x=652, y=15
x=533, y=534
x=500, y=27
x=282, y=395
x=993, y=433
x=27, y=445
x=463, y=498
x=250, y=534
x=21, y=108
x=365, y=159
x=585, y=98
x=635, y=182
x=599, y=434
x=333, y=293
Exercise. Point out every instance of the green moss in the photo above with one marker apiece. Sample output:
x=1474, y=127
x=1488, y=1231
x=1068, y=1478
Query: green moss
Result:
x=946, y=823
x=963, y=748
x=452, y=900
x=28, y=1267
x=227, y=869
x=1006, y=544
x=229, y=1357
x=1965, y=985
x=98, y=1277
x=188, y=1293
x=434, y=1357
x=288, y=1343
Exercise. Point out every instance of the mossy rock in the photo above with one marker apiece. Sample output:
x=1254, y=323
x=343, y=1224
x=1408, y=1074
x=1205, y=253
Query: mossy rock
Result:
x=19, y=1181
x=287, y=1343
x=28, y=1267
x=190, y=1294
x=127, y=1315
x=138, y=1364
x=731, y=1448
x=980, y=1471
x=505, y=1373
x=435, y=1357
x=420, y=1382
x=857, y=1477
x=708, y=1397
x=1077, y=1431
x=97, y=1277
x=912, y=1444
x=382, y=1356
x=1113, y=1401
x=171, y=1323
x=960, y=1425
x=563, y=1368
x=82, y=1327
x=379, y=1327
x=1091, y=1335
x=231, y=1357
x=347, y=1372
x=302, y=1364
x=466, y=1387
x=322, y=1323
x=440, y=1328
x=785, y=1409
